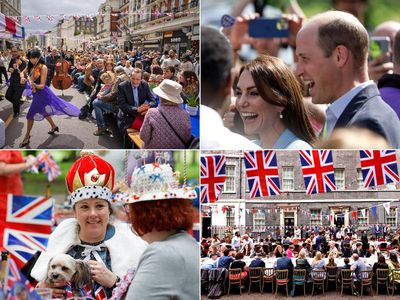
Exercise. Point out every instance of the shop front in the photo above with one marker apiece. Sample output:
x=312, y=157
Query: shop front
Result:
x=177, y=39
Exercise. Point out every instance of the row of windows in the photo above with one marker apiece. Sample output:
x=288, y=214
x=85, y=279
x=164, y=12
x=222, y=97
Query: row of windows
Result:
x=259, y=218
x=287, y=182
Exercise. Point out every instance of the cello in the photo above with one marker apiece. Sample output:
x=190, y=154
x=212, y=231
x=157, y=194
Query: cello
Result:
x=62, y=80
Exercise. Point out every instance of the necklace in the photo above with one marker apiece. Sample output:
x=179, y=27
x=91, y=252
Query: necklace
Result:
x=92, y=244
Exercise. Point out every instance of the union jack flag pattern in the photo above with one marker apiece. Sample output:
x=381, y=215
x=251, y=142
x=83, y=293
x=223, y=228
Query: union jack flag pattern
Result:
x=262, y=173
x=49, y=166
x=317, y=168
x=25, y=225
x=15, y=282
x=378, y=167
x=212, y=177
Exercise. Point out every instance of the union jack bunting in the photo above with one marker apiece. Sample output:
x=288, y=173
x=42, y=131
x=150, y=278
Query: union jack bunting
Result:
x=50, y=18
x=262, y=173
x=49, y=166
x=15, y=282
x=378, y=167
x=317, y=168
x=25, y=225
x=212, y=177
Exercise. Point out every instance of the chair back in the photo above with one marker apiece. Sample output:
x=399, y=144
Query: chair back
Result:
x=281, y=276
x=331, y=272
x=382, y=275
x=235, y=275
x=299, y=276
x=255, y=274
x=366, y=276
x=346, y=276
x=318, y=275
x=269, y=274
x=396, y=274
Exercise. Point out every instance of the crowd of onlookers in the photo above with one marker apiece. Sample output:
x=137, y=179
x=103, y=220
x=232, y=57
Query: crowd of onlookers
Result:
x=98, y=73
x=309, y=248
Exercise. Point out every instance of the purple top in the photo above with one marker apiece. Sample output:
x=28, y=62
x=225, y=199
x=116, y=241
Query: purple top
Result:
x=157, y=134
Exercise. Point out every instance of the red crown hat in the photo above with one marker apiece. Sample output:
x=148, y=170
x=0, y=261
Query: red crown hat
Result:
x=90, y=177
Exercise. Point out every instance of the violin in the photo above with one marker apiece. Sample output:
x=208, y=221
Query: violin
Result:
x=62, y=80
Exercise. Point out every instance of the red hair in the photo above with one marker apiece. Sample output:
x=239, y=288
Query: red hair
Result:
x=170, y=214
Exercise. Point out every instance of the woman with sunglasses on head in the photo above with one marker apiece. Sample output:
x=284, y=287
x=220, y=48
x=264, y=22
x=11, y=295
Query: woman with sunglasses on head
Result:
x=45, y=103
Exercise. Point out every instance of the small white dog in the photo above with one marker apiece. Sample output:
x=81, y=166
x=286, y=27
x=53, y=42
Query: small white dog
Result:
x=63, y=267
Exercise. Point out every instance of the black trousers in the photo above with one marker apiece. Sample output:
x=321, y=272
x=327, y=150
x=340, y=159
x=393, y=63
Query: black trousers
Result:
x=14, y=94
x=3, y=71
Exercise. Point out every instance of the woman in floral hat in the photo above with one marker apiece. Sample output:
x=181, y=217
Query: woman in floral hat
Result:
x=161, y=213
x=108, y=249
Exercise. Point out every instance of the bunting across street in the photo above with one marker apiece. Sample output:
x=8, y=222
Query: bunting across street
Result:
x=262, y=173
x=378, y=167
x=212, y=177
x=318, y=172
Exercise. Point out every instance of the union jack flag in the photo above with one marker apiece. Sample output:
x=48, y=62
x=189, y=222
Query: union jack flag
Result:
x=49, y=166
x=37, y=18
x=317, y=168
x=212, y=177
x=378, y=167
x=99, y=293
x=50, y=18
x=25, y=225
x=15, y=282
x=262, y=173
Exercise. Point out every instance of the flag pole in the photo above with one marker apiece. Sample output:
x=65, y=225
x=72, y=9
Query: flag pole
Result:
x=48, y=191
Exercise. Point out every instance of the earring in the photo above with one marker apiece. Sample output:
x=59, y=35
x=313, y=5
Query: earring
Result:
x=281, y=116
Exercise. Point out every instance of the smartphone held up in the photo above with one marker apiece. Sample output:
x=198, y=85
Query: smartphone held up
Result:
x=269, y=28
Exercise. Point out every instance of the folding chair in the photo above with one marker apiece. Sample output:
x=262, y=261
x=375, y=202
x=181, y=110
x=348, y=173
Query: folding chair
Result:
x=299, y=278
x=382, y=277
x=331, y=276
x=255, y=277
x=268, y=277
x=282, y=280
x=395, y=279
x=347, y=280
x=318, y=279
x=235, y=278
x=366, y=280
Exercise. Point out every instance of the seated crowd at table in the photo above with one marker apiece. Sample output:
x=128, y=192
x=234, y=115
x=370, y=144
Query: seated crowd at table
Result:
x=312, y=250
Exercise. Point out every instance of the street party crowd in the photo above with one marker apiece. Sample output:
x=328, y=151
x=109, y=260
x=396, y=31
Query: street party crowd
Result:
x=322, y=252
x=145, y=91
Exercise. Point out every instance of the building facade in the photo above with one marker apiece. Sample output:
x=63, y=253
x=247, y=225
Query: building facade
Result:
x=351, y=204
x=159, y=24
x=10, y=8
x=107, y=23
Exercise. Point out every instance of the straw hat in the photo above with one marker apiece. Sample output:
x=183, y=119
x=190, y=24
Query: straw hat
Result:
x=169, y=90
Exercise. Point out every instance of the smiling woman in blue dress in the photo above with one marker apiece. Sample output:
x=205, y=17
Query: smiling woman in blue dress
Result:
x=271, y=106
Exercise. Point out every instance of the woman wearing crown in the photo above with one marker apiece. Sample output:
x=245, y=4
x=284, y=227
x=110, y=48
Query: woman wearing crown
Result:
x=89, y=236
x=161, y=213
x=45, y=103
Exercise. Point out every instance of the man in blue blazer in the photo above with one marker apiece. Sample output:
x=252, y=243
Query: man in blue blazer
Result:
x=285, y=263
x=134, y=99
x=333, y=60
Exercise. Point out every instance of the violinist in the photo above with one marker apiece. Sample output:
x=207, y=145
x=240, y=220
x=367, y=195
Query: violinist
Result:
x=51, y=60
x=16, y=88
x=45, y=103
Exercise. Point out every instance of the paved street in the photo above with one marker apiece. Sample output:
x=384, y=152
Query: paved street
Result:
x=74, y=133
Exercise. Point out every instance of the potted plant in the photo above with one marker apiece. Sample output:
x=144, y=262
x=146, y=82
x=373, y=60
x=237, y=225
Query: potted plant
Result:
x=192, y=104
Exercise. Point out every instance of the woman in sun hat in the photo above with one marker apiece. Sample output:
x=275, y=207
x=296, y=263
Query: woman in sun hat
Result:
x=168, y=125
x=108, y=249
x=162, y=213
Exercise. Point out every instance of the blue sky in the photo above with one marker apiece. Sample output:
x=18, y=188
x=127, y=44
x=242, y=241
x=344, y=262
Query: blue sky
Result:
x=55, y=7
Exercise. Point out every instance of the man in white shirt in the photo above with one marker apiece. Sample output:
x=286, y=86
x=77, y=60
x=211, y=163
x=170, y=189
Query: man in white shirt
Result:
x=171, y=61
x=236, y=241
x=216, y=83
x=333, y=60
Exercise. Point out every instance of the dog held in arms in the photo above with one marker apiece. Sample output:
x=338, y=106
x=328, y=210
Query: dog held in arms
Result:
x=63, y=267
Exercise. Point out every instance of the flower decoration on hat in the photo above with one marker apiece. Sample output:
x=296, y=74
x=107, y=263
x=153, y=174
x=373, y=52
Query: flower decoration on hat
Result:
x=90, y=177
x=157, y=181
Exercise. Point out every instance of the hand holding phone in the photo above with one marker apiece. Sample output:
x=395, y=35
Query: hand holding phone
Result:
x=378, y=46
x=269, y=28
